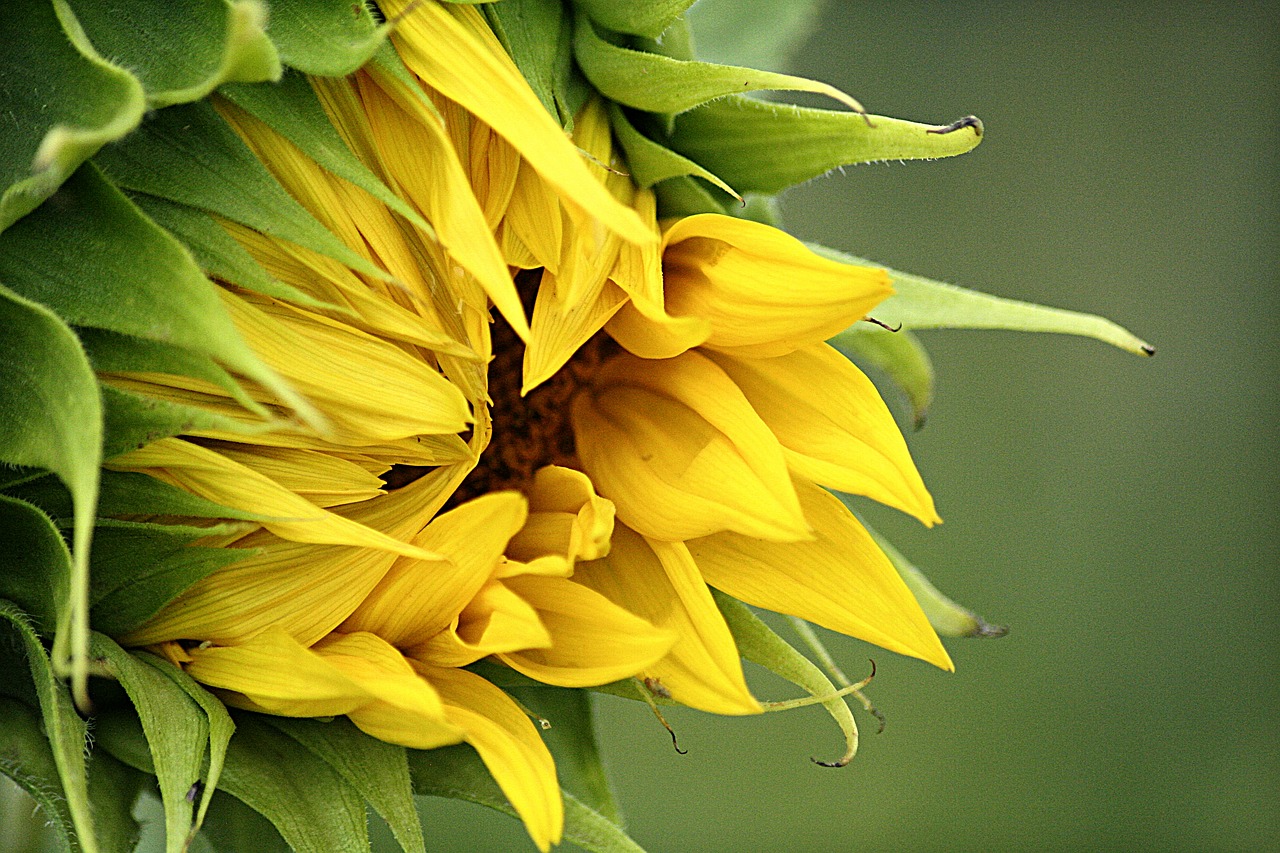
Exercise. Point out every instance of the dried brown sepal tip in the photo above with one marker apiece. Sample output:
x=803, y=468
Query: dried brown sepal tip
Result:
x=882, y=324
x=968, y=121
x=654, y=687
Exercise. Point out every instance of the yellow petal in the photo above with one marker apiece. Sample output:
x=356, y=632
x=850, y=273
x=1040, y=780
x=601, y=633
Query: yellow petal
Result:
x=833, y=426
x=679, y=450
x=351, y=376
x=405, y=708
x=212, y=476
x=509, y=746
x=321, y=478
x=533, y=220
x=495, y=620
x=457, y=55
x=560, y=327
x=566, y=518
x=659, y=582
x=841, y=580
x=592, y=641
x=306, y=590
x=763, y=292
x=413, y=147
x=416, y=599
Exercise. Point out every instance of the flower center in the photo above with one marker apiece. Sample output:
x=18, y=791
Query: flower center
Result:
x=531, y=431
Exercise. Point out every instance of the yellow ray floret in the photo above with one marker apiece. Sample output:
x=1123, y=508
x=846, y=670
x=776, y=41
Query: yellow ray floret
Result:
x=833, y=426
x=841, y=580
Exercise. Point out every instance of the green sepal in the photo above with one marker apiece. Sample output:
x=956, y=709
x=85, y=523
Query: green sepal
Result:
x=114, y=788
x=686, y=196
x=755, y=33
x=309, y=804
x=758, y=643
x=899, y=354
x=92, y=257
x=378, y=770
x=175, y=727
x=659, y=84
x=27, y=759
x=51, y=417
x=921, y=303
x=220, y=724
x=233, y=827
x=127, y=493
x=188, y=154
x=217, y=252
x=62, y=102
x=635, y=17
x=137, y=568
x=328, y=38
x=764, y=147
x=292, y=109
x=650, y=162
x=187, y=52
x=65, y=731
x=947, y=617
x=133, y=421
x=457, y=773
x=35, y=566
x=572, y=741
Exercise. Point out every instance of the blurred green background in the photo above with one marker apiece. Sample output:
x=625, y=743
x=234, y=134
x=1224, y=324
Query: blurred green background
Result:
x=1117, y=513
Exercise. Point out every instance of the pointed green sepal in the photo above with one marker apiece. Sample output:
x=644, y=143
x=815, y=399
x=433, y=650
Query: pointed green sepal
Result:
x=636, y=17
x=763, y=147
x=921, y=303
x=328, y=38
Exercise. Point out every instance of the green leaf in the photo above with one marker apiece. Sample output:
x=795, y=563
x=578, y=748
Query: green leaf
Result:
x=26, y=758
x=659, y=84
x=758, y=643
x=62, y=725
x=217, y=252
x=378, y=770
x=187, y=52
x=292, y=109
x=233, y=827
x=51, y=417
x=329, y=38
x=899, y=354
x=572, y=741
x=138, y=568
x=188, y=154
x=457, y=773
x=91, y=256
x=175, y=727
x=650, y=162
x=62, y=102
x=921, y=303
x=763, y=147
x=637, y=17
x=754, y=33
x=221, y=726
x=684, y=196
x=947, y=617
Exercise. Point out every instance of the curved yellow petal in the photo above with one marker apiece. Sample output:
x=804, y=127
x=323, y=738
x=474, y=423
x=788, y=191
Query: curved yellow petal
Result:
x=659, y=582
x=454, y=52
x=496, y=620
x=561, y=325
x=210, y=475
x=763, y=292
x=566, y=518
x=508, y=744
x=679, y=450
x=593, y=641
x=841, y=580
x=833, y=426
x=415, y=599
x=303, y=589
x=323, y=479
